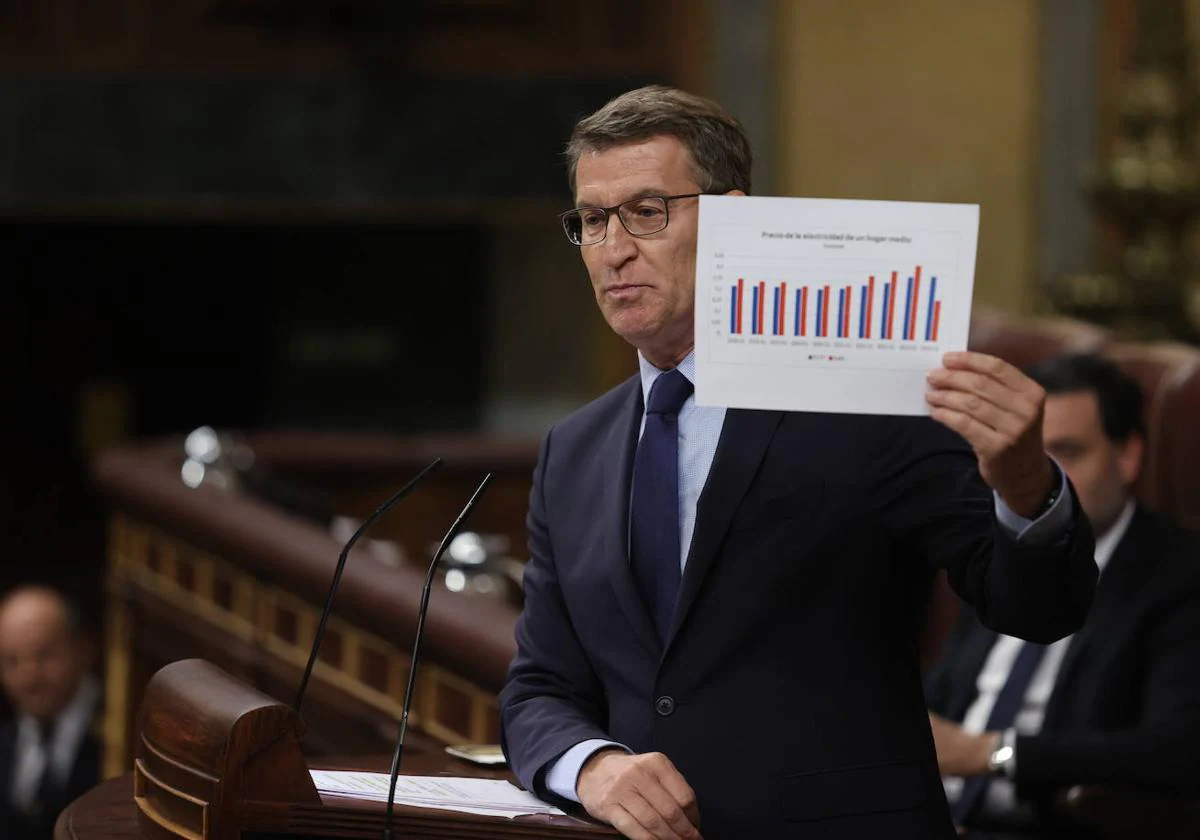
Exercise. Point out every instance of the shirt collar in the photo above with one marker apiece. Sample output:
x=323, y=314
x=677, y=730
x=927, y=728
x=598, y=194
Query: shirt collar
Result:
x=76, y=716
x=650, y=373
x=1107, y=542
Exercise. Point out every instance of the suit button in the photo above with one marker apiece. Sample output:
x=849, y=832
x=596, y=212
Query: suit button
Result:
x=664, y=706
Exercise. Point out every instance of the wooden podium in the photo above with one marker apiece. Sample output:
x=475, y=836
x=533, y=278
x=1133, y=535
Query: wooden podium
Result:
x=219, y=760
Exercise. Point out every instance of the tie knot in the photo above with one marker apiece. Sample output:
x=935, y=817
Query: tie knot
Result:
x=45, y=731
x=668, y=393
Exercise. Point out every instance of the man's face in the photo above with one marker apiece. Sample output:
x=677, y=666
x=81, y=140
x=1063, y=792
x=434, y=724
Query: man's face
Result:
x=1101, y=470
x=41, y=661
x=645, y=285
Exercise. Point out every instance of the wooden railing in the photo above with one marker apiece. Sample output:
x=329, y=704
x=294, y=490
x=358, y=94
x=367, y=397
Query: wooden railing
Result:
x=232, y=578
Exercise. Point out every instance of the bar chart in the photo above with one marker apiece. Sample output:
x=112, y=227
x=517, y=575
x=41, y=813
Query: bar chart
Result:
x=863, y=311
x=829, y=304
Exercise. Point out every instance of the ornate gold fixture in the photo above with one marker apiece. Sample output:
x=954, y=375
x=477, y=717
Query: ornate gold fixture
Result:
x=1147, y=195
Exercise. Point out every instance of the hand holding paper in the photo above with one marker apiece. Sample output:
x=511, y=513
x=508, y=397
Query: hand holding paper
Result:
x=998, y=410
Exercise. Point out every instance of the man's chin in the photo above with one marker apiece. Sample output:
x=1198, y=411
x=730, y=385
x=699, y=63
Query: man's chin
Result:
x=633, y=325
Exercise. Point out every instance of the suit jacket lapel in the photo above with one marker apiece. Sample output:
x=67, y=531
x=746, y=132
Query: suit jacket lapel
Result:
x=617, y=474
x=1122, y=576
x=745, y=437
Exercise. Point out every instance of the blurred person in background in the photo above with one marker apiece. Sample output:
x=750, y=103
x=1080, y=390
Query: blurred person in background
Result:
x=1118, y=703
x=48, y=754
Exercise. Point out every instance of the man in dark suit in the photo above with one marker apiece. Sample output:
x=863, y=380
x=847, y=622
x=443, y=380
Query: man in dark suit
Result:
x=722, y=607
x=1119, y=702
x=48, y=755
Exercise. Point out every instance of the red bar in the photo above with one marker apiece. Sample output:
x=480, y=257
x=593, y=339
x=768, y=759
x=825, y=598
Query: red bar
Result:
x=937, y=316
x=804, y=311
x=782, y=306
x=870, y=303
x=912, y=317
x=741, y=294
x=846, y=316
x=891, y=313
x=825, y=314
x=762, y=300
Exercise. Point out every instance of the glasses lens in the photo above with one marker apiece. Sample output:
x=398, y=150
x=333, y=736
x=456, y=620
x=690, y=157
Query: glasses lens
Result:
x=585, y=226
x=643, y=216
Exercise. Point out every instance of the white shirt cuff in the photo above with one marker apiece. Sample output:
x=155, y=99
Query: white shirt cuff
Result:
x=1046, y=528
x=563, y=774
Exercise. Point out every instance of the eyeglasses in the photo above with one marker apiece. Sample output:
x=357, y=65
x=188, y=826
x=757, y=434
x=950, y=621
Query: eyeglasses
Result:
x=640, y=216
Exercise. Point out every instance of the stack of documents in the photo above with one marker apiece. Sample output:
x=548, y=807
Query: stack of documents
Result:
x=489, y=797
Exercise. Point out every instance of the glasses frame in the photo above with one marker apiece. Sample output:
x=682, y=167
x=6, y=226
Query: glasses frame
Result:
x=608, y=212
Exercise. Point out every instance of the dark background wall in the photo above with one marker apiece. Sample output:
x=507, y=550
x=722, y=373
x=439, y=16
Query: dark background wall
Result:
x=251, y=213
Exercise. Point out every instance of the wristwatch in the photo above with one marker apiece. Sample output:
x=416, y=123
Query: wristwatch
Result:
x=1003, y=759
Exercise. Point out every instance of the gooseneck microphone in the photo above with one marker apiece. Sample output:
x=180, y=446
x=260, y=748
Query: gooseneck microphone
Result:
x=341, y=564
x=412, y=667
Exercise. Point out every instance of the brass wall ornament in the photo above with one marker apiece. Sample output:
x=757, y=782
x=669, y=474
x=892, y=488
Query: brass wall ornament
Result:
x=1147, y=195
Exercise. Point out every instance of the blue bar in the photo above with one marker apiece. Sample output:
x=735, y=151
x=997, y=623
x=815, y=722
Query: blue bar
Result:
x=862, y=314
x=929, y=316
x=733, y=312
x=887, y=293
x=775, y=314
x=796, y=325
x=754, y=313
x=907, y=310
x=841, y=311
x=820, y=312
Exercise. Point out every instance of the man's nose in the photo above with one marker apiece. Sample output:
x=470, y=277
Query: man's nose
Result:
x=618, y=245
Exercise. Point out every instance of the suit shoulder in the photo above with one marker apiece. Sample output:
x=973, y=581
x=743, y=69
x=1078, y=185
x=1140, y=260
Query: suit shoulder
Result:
x=585, y=420
x=1181, y=547
x=1173, y=550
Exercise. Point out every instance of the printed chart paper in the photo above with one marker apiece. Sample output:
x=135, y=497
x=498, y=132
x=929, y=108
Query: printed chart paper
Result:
x=489, y=797
x=829, y=305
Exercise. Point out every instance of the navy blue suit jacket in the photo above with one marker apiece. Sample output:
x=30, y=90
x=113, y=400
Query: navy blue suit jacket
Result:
x=788, y=692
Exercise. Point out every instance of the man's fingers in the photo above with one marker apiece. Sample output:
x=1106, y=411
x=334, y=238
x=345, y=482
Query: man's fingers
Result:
x=623, y=821
x=628, y=791
x=983, y=438
x=679, y=790
x=671, y=811
x=985, y=388
x=989, y=366
x=644, y=809
x=980, y=409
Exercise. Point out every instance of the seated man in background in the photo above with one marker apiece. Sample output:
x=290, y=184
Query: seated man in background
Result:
x=48, y=756
x=1116, y=704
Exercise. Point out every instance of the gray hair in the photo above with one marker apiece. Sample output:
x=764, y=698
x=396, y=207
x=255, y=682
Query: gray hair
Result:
x=719, y=148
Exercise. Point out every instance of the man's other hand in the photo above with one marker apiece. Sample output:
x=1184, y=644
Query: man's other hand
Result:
x=998, y=410
x=960, y=753
x=642, y=796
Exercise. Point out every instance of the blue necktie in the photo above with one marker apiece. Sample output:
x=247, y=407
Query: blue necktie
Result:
x=1004, y=713
x=654, y=506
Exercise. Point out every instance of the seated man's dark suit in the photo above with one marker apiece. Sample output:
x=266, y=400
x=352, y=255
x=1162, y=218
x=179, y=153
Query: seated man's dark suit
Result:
x=1125, y=707
x=53, y=795
x=788, y=691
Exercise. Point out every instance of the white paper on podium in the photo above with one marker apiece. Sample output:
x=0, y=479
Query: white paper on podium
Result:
x=829, y=305
x=489, y=797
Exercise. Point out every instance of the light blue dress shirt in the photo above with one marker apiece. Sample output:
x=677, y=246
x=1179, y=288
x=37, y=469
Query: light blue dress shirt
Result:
x=699, y=430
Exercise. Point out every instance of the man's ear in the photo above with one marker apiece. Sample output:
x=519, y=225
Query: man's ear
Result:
x=1129, y=458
